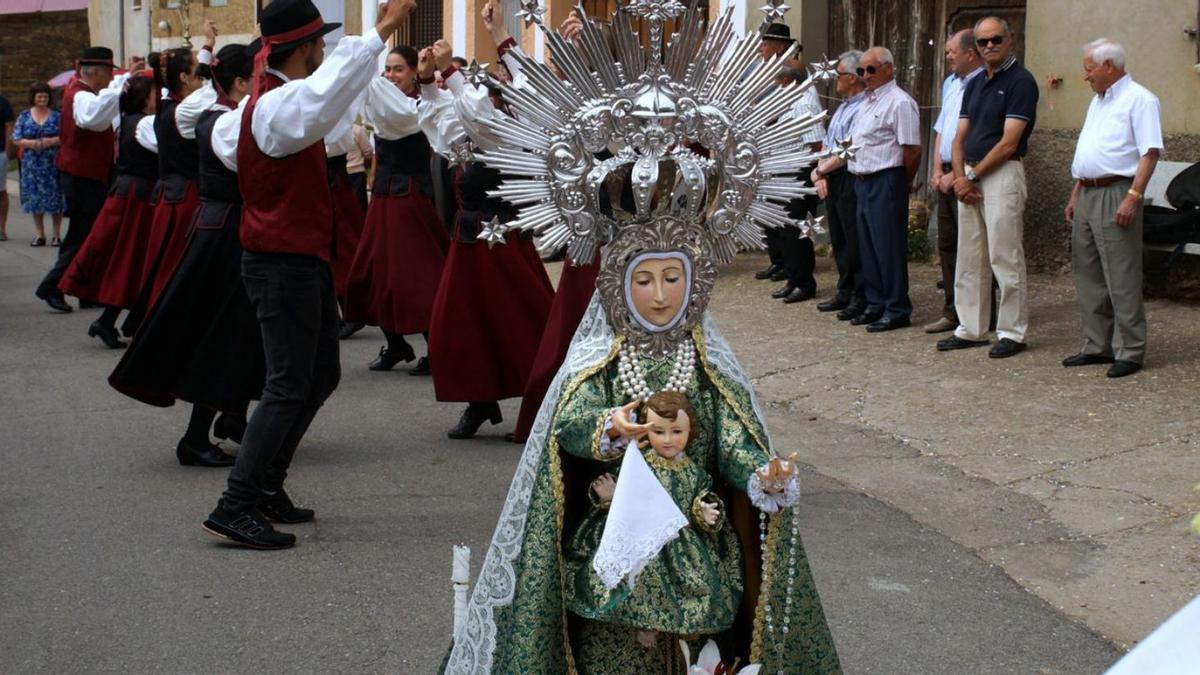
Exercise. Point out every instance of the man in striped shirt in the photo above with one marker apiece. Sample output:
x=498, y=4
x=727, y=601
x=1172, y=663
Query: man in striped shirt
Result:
x=888, y=131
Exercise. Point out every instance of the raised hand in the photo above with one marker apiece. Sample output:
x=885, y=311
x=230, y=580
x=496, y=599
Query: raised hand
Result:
x=777, y=473
x=571, y=27
x=393, y=14
x=426, y=64
x=210, y=33
x=442, y=53
x=493, y=22
x=623, y=425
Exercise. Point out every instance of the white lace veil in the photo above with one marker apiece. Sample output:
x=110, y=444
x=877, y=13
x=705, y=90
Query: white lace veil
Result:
x=475, y=641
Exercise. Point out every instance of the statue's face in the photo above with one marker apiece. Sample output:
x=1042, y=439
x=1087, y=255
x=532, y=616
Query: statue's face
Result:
x=657, y=287
x=668, y=437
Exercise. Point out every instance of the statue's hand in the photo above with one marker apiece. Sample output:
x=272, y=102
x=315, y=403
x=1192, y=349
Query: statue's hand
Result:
x=777, y=473
x=710, y=512
x=623, y=425
x=604, y=487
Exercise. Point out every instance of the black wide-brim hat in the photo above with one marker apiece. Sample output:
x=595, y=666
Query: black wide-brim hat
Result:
x=778, y=31
x=97, y=56
x=282, y=17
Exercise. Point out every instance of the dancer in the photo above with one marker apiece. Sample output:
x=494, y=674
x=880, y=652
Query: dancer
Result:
x=108, y=268
x=200, y=342
x=399, y=262
x=287, y=237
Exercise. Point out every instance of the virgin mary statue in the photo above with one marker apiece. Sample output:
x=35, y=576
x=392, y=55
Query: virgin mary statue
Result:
x=671, y=162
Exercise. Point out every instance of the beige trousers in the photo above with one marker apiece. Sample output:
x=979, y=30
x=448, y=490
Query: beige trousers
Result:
x=1107, y=261
x=991, y=243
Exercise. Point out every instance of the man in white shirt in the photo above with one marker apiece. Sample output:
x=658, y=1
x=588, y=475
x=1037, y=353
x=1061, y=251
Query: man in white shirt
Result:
x=1117, y=151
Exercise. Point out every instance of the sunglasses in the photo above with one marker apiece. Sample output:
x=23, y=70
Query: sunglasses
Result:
x=994, y=40
x=869, y=70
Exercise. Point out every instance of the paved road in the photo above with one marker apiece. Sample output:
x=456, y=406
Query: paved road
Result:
x=103, y=566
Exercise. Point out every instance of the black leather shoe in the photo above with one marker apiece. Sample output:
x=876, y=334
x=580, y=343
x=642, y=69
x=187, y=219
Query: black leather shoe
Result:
x=387, y=360
x=229, y=428
x=474, y=417
x=107, y=334
x=866, y=318
x=779, y=275
x=954, y=342
x=1082, y=359
x=1123, y=368
x=56, y=301
x=1006, y=348
x=884, y=325
x=799, y=295
x=780, y=293
x=247, y=528
x=84, y=304
x=422, y=367
x=208, y=454
x=833, y=304
x=349, y=328
x=850, y=312
x=279, y=508
x=764, y=274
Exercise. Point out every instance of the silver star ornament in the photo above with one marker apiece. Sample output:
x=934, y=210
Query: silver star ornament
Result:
x=477, y=73
x=824, y=70
x=846, y=149
x=493, y=232
x=531, y=12
x=812, y=226
x=774, y=11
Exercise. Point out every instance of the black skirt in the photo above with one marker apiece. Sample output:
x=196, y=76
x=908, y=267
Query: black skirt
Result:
x=201, y=341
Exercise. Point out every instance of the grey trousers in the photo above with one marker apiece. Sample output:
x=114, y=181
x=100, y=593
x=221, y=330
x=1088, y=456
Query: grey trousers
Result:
x=1107, y=262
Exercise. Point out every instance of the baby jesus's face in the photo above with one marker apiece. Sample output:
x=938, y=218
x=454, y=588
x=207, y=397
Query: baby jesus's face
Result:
x=668, y=437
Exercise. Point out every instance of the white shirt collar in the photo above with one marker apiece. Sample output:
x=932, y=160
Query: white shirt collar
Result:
x=1116, y=88
x=278, y=74
x=971, y=75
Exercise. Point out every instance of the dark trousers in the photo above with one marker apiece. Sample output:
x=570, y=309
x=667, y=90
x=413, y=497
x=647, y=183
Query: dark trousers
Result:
x=799, y=258
x=298, y=316
x=947, y=245
x=85, y=198
x=359, y=182
x=774, y=246
x=841, y=220
x=883, y=241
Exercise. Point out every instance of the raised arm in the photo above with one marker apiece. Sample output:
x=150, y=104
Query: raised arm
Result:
x=97, y=112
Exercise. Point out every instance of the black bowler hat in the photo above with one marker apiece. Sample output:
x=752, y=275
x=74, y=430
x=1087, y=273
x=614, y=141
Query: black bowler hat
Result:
x=295, y=22
x=780, y=32
x=97, y=56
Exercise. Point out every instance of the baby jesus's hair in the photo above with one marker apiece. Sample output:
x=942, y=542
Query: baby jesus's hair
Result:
x=668, y=405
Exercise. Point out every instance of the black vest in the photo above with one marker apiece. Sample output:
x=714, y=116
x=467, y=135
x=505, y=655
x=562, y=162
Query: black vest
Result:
x=176, y=155
x=401, y=162
x=335, y=168
x=132, y=158
x=217, y=182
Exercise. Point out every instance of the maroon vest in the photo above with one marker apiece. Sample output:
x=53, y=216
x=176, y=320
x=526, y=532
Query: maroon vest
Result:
x=82, y=152
x=286, y=203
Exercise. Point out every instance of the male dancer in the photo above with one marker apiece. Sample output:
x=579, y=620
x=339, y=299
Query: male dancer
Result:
x=287, y=235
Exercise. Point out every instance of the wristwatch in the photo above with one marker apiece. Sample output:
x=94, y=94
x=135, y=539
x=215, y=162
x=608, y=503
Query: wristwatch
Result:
x=971, y=175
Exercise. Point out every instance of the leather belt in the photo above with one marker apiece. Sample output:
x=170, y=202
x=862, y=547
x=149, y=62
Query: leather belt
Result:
x=1102, y=182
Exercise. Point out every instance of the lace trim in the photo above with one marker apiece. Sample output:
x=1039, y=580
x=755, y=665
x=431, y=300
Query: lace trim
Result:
x=629, y=558
x=772, y=502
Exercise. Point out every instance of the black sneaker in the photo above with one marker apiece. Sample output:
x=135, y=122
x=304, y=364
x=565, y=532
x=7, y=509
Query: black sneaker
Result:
x=279, y=508
x=247, y=528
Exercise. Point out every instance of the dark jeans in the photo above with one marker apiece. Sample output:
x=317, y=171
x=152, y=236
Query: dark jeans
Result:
x=297, y=313
x=841, y=220
x=883, y=241
x=359, y=182
x=85, y=198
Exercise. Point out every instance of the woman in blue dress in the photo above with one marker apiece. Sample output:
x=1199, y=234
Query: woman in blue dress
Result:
x=36, y=133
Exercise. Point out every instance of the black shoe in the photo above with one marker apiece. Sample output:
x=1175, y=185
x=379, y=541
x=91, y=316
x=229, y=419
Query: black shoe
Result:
x=779, y=275
x=783, y=292
x=387, y=360
x=422, y=367
x=834, y=304
x=764, y=274
x=56, y=301
x=1006, y=348
x=279, y=508
x=247, y=528
x=954, y=342
x=1082, y=359
x=56, y=242
x=86, y=304
x=349, y=328
x=107, y=334
x=229, y=428
x=190, y=454
x=799, y=295
x=474, y=417
x=884, y=325
x=850, y=312
x=866, y=318
x=1123, y=368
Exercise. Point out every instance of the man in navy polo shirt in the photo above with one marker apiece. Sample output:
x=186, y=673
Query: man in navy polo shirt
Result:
x=997, y=118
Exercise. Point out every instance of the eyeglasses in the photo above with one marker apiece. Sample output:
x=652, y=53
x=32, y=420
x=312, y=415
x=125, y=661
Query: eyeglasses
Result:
x=994, y=40
x=869, y=70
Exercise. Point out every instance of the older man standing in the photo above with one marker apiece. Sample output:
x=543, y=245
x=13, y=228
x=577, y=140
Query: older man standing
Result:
x=888, y=131
x=1118, y=149
x=836, y=186
x=993, y=135
x=964, y=63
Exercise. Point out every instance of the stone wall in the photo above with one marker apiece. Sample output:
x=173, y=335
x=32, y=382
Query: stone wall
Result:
x=36, y=47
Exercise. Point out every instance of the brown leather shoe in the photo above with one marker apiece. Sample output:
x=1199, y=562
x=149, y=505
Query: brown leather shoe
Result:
x=941, y=326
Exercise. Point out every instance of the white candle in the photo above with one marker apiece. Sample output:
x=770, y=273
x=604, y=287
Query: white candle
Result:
x=461, y=571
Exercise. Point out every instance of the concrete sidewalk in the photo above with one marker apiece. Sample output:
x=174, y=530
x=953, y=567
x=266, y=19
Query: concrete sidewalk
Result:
x=1079, y=487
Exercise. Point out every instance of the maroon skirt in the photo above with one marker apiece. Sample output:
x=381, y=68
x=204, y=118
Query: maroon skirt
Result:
x=347, y=229
x=575, y=289
x=174, y=210
x=398, y=265
x=109, y=267
x=488, y=316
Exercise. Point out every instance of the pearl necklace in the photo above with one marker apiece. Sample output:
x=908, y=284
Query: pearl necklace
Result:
x=633, y=378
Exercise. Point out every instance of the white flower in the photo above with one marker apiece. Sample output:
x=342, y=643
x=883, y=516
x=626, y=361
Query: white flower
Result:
x=710, y=659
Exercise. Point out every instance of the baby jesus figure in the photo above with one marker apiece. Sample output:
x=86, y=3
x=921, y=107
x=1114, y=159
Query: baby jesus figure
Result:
x=690, y=586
